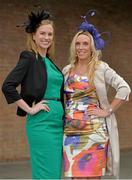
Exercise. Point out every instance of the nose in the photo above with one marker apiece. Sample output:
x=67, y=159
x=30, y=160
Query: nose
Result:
x=80, y=46
x=46, y=36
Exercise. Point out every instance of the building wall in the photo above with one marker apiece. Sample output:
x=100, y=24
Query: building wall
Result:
x=115, y=16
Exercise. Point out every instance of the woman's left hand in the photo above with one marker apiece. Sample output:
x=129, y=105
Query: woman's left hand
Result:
x=98, y=112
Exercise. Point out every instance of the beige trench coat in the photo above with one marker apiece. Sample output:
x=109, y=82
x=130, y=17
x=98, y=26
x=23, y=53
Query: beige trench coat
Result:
x=105, y=76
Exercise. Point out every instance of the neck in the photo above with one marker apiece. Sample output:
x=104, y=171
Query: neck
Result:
x=42, y=52
x=82, y=66
x=83, y=62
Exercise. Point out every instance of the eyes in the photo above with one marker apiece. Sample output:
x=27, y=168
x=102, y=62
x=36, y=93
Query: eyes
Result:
x=43, y=33
x=85, y=43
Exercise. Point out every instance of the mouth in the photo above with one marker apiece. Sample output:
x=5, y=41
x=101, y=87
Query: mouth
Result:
x=45, y=43
x=81, y=53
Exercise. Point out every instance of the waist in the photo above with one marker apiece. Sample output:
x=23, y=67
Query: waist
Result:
x=54, y=99
x=76, y=126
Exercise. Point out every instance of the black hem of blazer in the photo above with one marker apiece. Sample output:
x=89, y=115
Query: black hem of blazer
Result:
x=30, y=73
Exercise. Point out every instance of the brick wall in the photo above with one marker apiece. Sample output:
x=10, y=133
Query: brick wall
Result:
x=116, y=18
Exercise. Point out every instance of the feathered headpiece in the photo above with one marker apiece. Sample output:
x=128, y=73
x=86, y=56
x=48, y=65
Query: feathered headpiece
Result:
x=35, y=20
x=86, y=26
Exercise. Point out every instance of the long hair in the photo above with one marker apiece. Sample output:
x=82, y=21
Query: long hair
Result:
x=95, y=56
x=31, y=45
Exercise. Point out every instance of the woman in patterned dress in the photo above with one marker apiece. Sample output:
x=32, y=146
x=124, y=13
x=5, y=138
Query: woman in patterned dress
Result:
x=90, y=134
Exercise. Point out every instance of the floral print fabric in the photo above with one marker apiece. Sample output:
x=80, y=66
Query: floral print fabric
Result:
x=85, y=137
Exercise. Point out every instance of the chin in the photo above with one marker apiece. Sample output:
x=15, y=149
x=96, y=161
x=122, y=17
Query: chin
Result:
x=82, y=57
x=45, y=47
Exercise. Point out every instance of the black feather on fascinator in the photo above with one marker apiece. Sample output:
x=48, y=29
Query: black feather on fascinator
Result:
x=35, y=20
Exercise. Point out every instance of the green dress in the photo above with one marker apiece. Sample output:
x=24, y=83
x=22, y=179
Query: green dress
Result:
x=45, y=130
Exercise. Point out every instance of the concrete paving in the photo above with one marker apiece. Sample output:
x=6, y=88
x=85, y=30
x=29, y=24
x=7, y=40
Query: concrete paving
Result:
x=22, y=169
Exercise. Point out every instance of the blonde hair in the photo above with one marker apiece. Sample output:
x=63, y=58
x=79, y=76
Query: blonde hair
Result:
x=31, y=45
x=95, y=56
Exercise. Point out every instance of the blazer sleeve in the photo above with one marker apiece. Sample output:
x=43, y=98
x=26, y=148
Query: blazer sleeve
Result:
x=118, y=83
x=15, y=78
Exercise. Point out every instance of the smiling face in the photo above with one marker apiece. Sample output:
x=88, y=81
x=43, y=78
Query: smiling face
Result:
x=43, y=37
x=83, y=47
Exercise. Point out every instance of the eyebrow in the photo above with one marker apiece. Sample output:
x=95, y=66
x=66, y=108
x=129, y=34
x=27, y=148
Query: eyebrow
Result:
x=46, y=31
x=83, y=42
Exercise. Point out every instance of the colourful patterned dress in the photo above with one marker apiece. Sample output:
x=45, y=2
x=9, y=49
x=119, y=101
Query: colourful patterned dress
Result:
x=85, y=137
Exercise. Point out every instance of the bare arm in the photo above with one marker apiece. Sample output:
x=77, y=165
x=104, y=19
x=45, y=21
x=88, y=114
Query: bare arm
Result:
x=116, y=103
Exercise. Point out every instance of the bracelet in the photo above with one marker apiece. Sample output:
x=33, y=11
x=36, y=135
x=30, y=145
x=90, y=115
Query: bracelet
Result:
x=110, y=110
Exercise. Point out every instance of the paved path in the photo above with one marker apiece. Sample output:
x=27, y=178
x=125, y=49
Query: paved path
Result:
x=22, y=170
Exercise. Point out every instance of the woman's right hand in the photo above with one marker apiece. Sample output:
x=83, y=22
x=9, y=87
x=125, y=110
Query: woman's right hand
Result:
x=42, y=105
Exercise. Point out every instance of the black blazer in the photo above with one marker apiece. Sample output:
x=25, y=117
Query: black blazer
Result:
x=30, y=73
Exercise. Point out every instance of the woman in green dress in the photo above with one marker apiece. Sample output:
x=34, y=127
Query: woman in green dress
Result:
x=41, y=97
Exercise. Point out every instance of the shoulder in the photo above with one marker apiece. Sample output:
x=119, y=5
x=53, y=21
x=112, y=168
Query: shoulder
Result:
x=26, y=57
x=102, y=66
x=66, y=69
x=27, y=54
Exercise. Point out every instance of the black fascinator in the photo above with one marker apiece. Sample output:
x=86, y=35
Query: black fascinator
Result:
x=35, y=20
